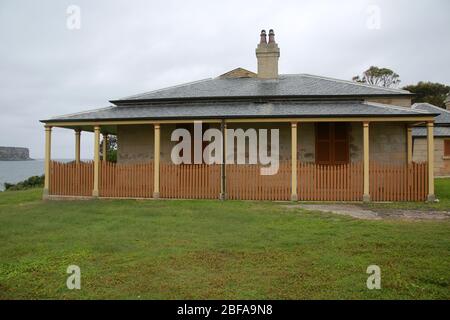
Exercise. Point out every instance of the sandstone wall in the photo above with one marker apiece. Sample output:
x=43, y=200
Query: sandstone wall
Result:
x=441, y=163
x=387, y=141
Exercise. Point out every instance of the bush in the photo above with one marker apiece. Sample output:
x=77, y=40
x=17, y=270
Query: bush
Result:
x=31, y=182
x=112, y=155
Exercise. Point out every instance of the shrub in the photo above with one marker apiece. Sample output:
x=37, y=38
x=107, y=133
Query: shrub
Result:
x=31, y=182
x=112, y=155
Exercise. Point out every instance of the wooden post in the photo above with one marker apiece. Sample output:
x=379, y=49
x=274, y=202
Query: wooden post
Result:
x=223, y=184
x=48, y=154
x=430, y=150
x=104, y=147
x=157, y=154
x=294, y=196
x=95, y=192
x=77, y=145
x=409, y=146
x=366, y=194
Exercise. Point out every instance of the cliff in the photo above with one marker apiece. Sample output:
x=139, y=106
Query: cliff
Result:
x=14, y=154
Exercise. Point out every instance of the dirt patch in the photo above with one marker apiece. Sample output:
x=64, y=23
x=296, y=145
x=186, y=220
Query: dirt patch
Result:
x=359, y=212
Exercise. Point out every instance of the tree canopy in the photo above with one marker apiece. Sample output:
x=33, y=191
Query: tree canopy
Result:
x=431, y=92
x=379, y=76
x=111, y=147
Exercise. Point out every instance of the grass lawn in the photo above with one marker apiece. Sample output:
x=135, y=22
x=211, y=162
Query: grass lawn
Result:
x=211, y=249
x=442, y=189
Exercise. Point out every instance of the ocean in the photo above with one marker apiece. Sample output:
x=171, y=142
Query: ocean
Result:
x=15, y=171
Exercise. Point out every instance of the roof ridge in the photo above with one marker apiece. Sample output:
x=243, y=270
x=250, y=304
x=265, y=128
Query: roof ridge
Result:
x=82, y=112
x=166, y=88
x=354, y=83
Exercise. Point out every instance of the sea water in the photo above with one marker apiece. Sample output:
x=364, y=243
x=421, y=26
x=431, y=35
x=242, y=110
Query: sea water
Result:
x=15, y=171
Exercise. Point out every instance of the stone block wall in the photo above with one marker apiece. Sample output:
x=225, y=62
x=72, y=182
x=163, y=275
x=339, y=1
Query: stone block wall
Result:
x=441, y=163
x=387, y=141
x=402, y=102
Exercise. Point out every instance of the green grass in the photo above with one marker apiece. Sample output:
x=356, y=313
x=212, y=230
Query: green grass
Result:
x=442, y=190
x=212, y=250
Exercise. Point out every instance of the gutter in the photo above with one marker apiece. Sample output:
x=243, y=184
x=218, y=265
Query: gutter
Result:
x=243, y=117
x=259, y=98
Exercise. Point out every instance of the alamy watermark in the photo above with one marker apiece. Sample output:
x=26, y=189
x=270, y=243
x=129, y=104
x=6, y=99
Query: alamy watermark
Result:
x=248, y=146
x=374, y=280
x=373, y=21
x=73, y=20
x=74, y=279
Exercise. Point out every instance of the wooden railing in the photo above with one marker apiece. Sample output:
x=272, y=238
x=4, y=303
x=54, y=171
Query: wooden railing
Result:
x=245, y=182
x=330, y=182
x=126, y=180
x=71, y=179
x=398, y=183
x=189, y=181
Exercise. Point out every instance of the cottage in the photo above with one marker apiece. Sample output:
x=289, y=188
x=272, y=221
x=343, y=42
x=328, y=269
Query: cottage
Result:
x=441, y=138
x=338, y=140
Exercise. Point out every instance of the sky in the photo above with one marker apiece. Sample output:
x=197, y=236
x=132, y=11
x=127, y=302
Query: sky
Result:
x=59, y=57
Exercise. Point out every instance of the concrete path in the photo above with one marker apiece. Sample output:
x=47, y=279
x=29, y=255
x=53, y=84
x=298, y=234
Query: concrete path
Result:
x=360, y=212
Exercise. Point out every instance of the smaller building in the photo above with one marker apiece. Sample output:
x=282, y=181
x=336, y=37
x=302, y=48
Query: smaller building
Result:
x=441, y=139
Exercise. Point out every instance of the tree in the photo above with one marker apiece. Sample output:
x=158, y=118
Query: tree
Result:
x=379, y=77
x=431, y=92
x=111, y=148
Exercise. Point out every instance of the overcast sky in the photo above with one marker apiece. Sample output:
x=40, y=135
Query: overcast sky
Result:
x=127, y=47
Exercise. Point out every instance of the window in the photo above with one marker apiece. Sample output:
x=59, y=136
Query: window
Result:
x=332, y=143
x=447, y=148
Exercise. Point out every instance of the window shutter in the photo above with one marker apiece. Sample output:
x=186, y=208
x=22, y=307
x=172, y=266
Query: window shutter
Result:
x=323, y=143
x=332, y=143
x=447, y=148
x=340, y=148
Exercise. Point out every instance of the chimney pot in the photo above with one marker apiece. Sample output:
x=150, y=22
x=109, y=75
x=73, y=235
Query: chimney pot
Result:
x=271, y=36
x=263, y=37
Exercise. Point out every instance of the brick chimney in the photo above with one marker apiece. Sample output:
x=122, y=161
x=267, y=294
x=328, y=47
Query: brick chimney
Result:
x=267, y=54
x=447, y=102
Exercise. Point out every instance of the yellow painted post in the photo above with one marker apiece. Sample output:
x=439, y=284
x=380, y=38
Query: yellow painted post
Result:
x=294, y=196
x=95, y=192
x=77, y=145
x=430, y=150
x=225, y=146
x=157, y=160
x=366, y=194
x=48, y=153
x=409, y=146
x=223, y=181
x=105, y=142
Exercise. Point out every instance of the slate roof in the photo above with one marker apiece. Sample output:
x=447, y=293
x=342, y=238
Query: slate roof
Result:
x=444, y=115
x=438, y=132
x=287, y=85
x=242, y=109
